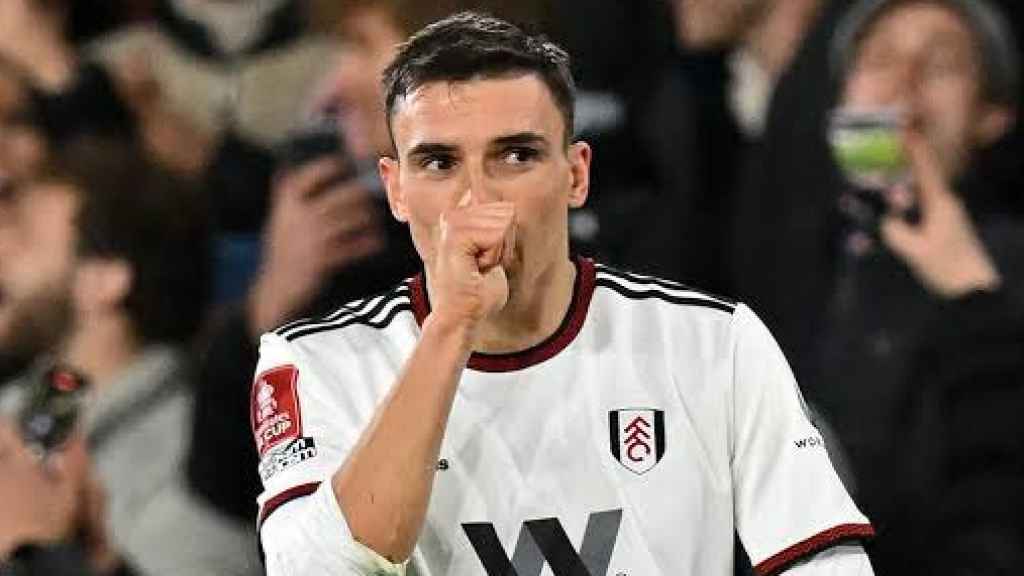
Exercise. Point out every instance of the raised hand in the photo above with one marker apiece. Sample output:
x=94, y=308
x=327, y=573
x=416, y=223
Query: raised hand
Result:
x=317, y=226
x=171, y=139
x=469, y=280
x=41, y=499
x=32, y=38
x=943, y=250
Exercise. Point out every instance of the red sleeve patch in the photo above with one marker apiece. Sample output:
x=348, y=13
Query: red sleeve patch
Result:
x=275, y=415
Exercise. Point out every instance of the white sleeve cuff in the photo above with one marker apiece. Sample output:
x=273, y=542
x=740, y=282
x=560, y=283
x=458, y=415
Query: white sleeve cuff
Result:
x=842, y=560
x=310, y=535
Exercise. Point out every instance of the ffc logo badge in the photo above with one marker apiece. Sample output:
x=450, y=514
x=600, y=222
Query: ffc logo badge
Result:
x=637, y=437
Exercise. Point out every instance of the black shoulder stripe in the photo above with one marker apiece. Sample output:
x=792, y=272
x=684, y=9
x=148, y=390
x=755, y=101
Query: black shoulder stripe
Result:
x=364, y=319
x=367, y=306
x=661, y=295
x=666, y=284
x=378, y=304
x=354, y=307
x=346, y=308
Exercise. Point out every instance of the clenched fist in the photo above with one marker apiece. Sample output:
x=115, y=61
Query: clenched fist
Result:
x=474, y=240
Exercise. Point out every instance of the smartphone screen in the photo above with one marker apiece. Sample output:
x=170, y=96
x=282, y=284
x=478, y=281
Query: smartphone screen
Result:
x=51, y=409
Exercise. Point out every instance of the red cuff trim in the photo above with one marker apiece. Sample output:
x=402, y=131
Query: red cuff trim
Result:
x=284, y=498
x=813, y=545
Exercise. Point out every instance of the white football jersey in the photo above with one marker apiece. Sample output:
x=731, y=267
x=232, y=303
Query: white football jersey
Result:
x=634, y=441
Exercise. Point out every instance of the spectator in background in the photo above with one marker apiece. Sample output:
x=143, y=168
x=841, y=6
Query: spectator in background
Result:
x=762, y=38
x=773, y=174
x=102, y=266
x=757, y=72
x=961, y=498
x=23, y=148
x=935, y=284
x=207, y=87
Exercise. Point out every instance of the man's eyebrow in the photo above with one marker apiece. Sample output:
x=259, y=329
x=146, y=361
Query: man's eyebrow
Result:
x=520, y=138
x=426, y=148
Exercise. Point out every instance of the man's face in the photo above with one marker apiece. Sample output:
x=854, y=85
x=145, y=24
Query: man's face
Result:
x=37, y=240
x=488, y=140
x=22, y=145
x=704, y=24
x=923, y=58
x=371, y=38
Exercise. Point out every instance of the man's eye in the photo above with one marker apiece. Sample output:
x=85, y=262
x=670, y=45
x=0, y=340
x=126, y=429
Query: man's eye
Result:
x=520, y=155
x=437, y=163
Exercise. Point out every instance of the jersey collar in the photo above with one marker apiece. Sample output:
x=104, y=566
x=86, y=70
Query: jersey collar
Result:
x=572, y=323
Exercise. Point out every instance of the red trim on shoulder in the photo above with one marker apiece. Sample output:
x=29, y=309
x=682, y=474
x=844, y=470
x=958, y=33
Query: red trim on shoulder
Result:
x=284, y=498
x=572, y=323
x=418, y=296
x=813, y=545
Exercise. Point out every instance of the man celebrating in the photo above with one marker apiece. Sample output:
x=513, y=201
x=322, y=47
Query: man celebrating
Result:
x=513, y=407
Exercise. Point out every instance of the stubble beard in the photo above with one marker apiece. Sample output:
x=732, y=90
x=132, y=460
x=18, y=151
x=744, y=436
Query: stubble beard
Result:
x=37, y=324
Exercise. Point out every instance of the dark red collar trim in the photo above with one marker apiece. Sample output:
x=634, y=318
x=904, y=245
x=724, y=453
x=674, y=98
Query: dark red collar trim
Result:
x=582, y=290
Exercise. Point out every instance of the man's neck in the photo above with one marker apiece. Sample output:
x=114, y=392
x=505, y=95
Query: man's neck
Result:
x=536, y=307
x=100, y=349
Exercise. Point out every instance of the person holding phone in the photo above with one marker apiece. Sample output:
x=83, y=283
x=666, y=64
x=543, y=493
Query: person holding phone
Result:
x=103, y=269
x=935, y=262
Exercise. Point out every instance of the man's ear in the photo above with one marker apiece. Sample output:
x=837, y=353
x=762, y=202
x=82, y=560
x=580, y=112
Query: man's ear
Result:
x=389, y=168
x=102, y=283
x=579, y=171
x=995, y=121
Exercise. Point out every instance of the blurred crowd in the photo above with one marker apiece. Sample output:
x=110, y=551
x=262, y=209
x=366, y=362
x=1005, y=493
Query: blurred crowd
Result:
x=179, y=176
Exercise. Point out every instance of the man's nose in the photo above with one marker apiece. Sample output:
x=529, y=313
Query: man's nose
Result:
x=479, y=188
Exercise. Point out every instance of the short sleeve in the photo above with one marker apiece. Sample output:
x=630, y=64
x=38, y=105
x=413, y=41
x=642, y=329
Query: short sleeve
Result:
x=304, y=428
x=789, y=501
x=301, y=437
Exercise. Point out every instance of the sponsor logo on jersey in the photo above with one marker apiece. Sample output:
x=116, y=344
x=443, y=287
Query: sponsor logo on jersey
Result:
x=275, y=408
x=637, y=437
x=809, y=442
x=545, y=541
x=284, y=457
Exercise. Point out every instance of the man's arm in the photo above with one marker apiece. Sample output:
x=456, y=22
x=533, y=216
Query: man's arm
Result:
x=384, y=486
x=368, y=518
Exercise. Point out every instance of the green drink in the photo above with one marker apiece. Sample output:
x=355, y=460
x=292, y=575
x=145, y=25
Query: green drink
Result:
x=868, y=146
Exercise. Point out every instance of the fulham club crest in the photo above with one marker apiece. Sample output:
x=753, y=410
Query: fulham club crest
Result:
x=637, y=437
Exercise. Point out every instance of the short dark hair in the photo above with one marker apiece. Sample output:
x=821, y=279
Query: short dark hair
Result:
x=469, y=46
x=130, y=209
x=411, y=15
